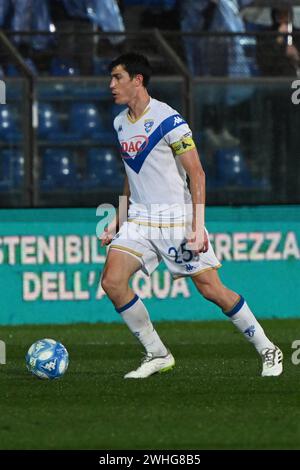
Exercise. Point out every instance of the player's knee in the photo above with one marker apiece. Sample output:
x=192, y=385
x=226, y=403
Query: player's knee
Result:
x=111, y=284
x=108, y=283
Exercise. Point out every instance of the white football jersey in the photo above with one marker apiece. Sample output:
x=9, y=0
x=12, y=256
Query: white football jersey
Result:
x=157, y=180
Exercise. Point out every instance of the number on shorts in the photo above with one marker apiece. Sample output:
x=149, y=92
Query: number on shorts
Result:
x=181, y=256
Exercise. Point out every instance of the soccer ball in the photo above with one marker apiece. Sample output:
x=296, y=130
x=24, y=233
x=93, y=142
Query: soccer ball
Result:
x=47, y=359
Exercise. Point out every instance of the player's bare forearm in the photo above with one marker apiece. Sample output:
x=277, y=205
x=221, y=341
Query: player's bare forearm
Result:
x=191, y=163
x=122, y=211
x=120, y=217
x=198, y=240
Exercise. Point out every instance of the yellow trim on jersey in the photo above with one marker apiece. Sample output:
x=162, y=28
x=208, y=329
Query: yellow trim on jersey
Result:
x=125, y=248
x=154, y=224
x=133, y=121
x=183, y=145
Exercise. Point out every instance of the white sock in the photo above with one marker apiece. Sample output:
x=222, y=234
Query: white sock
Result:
x=242, y=317
x=138, y=321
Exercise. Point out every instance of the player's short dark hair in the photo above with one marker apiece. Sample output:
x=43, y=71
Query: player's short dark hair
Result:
x=134, y=64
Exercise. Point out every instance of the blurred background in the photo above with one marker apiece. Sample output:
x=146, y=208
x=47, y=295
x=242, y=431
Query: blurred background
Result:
x=226, y=65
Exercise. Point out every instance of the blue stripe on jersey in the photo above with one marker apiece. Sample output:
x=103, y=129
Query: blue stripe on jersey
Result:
x=136, y=162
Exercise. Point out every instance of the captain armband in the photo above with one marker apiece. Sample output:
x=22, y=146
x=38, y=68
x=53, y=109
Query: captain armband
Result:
x=183, y=145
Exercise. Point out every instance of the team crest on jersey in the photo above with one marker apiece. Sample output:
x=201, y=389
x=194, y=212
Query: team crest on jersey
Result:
x=148, y=123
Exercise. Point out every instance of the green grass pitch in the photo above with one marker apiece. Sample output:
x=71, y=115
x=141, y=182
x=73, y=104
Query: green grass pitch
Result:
x=213, y=399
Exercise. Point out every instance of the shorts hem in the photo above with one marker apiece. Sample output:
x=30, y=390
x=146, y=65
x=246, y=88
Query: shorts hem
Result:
x=198, y=272
x=156, y=224
x=134, y=254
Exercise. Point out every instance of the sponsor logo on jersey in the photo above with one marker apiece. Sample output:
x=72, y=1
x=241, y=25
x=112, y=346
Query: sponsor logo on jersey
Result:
x=131, y=148
x=148, y=123
x=141, y=146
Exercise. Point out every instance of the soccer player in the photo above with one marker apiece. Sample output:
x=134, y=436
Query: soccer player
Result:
x=165, y=219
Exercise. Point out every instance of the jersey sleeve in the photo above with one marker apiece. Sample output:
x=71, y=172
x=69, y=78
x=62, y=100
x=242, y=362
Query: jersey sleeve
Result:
x=179, y=129
x=180, y=137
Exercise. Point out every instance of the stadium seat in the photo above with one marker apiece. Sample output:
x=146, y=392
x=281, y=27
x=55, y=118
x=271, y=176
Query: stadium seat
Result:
x=17, y=160
x=104, y=156
x=231, y=168
x=89, y=91
x=11, y=169
x=63, y=67
x=49, y=124
x=56, y=90
x=103, y=169
x=87, y=122
x=9, y=131
x=101, y=65
x=58, y=169
x=116, y=109
x=13, y=71
x=5, y=176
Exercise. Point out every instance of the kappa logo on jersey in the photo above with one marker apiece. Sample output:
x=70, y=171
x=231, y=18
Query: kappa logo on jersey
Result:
x=131, y=148
x=148, y=123
x=189, y=267
x=177, y=120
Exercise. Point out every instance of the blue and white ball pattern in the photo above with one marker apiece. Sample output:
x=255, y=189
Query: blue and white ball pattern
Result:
x=47, y=359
